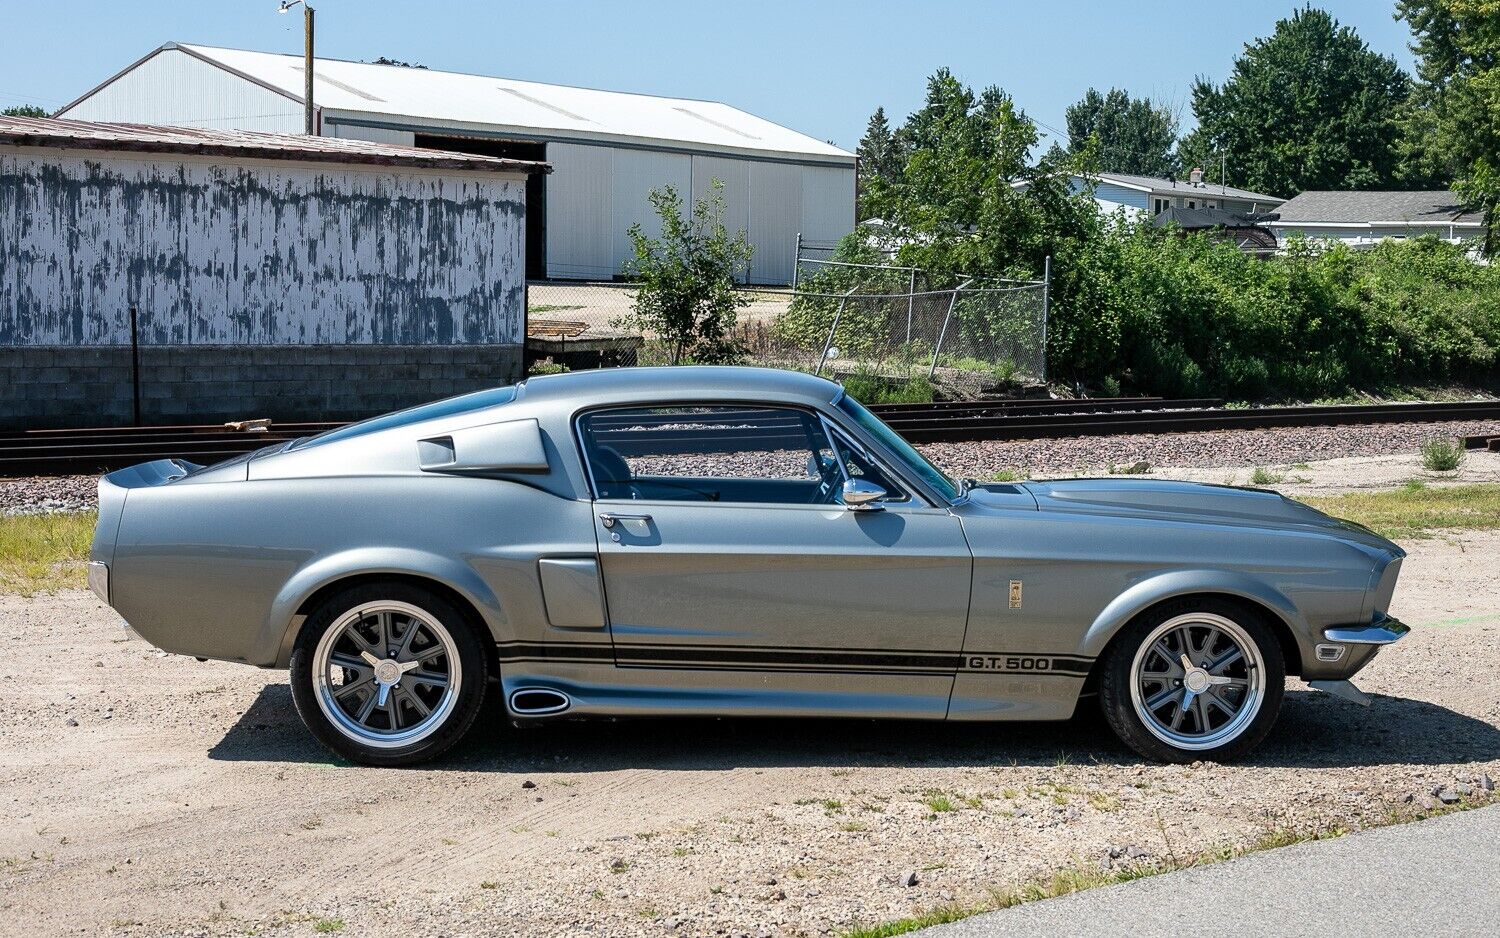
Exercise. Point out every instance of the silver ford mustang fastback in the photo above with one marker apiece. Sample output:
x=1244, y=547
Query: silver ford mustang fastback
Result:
x=727, y=541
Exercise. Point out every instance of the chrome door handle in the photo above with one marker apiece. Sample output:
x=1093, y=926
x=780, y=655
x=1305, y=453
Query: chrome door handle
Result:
x=610, y=519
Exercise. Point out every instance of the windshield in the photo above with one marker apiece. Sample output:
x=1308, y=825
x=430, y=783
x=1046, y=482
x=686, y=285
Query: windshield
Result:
x=448, y=407
x=892, y=441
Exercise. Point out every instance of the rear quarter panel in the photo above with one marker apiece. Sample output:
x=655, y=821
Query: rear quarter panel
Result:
x=219, y=570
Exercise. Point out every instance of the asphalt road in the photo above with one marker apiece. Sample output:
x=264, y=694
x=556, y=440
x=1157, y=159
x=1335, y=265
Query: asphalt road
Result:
x=1431, y=877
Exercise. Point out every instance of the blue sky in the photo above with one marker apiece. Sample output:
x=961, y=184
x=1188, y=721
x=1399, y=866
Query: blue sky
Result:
x=819, y=67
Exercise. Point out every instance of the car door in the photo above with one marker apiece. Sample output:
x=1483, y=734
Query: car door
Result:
x=730, y=567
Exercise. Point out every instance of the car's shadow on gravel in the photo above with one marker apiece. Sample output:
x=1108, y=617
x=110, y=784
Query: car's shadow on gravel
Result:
x=1314, y=731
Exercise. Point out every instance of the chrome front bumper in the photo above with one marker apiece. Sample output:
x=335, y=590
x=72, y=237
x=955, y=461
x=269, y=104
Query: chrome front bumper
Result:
x=1383, y=631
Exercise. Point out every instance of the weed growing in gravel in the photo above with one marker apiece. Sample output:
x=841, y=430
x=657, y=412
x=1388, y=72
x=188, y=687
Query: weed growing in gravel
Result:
x=1415, y=510
x=325, y=926
x=1008, y=475
x=1442, y=455
x=44, y=553
x=939, y=802
x=1264, y=476
x=1140, y=467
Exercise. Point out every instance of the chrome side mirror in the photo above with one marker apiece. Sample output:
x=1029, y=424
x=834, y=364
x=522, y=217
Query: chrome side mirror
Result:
x=859, y=495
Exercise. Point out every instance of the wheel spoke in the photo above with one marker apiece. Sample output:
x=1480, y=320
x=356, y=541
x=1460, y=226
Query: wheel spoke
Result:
x=1213, y=700
x=427, y=654
x=366, y=709
x=1200, y=710
x=392, y=709
x=416, y=703
x=1156, y=701
x=349, y=662
x=382, y=633
x=428, y=678
x=1225, y=660
x=1160, y=649
x=347, y=689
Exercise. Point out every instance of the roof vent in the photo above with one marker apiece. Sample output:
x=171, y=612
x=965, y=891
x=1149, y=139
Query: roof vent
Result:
x=1196, y=176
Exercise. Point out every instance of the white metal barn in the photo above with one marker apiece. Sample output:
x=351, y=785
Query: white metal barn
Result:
x=608, y=149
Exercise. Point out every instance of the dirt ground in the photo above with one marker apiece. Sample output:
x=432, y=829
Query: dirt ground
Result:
x=147, y=794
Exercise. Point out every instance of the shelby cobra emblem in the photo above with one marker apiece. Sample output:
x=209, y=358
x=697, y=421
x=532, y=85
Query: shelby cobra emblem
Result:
x=727, y=541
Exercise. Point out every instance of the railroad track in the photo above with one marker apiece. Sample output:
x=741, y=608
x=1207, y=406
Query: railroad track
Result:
x=63, y=452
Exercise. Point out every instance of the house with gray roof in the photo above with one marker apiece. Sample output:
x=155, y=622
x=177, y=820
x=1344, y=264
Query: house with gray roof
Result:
x=1149, y=196
x=1363, y=218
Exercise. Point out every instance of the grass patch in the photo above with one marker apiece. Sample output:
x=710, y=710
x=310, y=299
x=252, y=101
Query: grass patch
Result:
x=44, y=553
x=1081, y=877
x=1416, y=509
x=872, y=389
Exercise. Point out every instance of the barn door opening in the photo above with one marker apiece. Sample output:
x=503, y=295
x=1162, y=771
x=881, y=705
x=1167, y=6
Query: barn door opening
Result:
x=536, y=187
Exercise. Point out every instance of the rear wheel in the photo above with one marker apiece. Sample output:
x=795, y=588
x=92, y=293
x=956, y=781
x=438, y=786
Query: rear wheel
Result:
x=1194, y=679
x=388, y=674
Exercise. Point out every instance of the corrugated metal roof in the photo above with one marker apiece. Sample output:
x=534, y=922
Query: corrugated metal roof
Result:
x=1439, y=206
x=145, y=138
x=1208, y=189
x=442, y=100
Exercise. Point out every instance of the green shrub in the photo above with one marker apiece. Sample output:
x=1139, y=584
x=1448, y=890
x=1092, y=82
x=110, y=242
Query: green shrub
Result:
x=1441, y=455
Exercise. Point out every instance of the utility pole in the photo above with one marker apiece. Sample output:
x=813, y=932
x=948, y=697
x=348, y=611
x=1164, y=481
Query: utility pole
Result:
x=310, y=124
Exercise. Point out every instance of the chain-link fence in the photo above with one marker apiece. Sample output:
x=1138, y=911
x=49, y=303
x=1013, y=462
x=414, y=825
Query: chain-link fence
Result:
x=875, y=323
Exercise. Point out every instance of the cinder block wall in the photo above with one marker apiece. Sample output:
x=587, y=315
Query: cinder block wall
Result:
x=61, y=387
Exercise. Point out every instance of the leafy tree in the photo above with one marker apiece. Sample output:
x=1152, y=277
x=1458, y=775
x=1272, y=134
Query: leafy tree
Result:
x=879, y=152
x=971, y=199
x=687, y=275
x=1455, y=127
x=1311, y=107
x=24, y=110
x=1134, y=135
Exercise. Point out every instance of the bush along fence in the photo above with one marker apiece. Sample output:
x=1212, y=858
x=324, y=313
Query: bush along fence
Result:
x=862, y=324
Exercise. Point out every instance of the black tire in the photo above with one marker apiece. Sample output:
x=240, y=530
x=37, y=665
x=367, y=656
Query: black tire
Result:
x=455, y=717
x=1116, y=682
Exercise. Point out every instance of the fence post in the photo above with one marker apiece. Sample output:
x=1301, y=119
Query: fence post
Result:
x=1046, y=309
x=943, y=333
x=796, y=261
x=911, y=296
x=828, y=343
x=135, y=365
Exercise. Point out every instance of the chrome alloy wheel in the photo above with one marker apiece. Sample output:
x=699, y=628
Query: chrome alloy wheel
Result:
x=1197, y=681
x=386, y=674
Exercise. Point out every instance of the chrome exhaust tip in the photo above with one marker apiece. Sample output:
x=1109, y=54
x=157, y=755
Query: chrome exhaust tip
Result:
x=538, y=701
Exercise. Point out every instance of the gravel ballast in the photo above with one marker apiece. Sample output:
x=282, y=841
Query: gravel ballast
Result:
x=981, y=459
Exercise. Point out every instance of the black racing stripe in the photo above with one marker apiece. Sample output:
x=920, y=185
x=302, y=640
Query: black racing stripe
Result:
x=742, y=657
x=629, y=653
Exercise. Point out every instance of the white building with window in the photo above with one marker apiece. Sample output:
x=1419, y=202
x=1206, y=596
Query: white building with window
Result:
x=608, y=149
x=1150, y=196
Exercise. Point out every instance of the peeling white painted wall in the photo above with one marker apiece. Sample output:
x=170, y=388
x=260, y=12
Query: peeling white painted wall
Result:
x=215, y=252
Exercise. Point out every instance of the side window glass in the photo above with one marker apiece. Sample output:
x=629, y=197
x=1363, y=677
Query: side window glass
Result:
x=732, y=454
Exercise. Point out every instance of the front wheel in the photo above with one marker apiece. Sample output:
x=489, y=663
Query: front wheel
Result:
x=388, y=674
x=1194, y=679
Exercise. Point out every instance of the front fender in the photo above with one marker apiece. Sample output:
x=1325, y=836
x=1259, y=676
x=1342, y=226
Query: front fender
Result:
x=274, y=642
x=1175, y=583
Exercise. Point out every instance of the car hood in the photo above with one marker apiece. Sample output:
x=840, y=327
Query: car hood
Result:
x=1196, y=502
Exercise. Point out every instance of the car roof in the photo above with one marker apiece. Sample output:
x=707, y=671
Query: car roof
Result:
x=679, y=383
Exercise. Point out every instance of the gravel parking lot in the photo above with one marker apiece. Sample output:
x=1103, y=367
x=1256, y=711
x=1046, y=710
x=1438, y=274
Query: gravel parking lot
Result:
x=149, y=794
